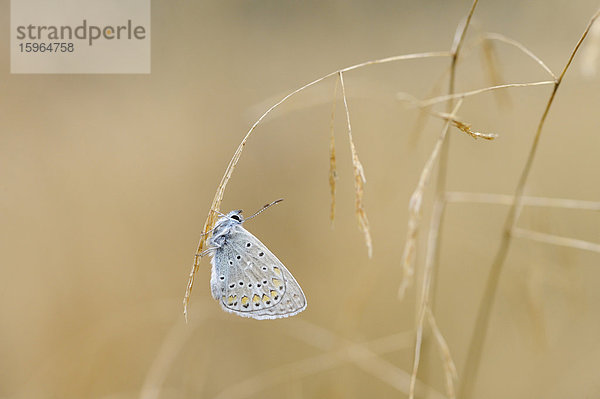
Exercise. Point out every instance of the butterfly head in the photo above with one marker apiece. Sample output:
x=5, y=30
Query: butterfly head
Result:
x=234, y=216
x=224, y=226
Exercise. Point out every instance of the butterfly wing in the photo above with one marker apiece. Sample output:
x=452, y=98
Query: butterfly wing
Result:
x=250, y=281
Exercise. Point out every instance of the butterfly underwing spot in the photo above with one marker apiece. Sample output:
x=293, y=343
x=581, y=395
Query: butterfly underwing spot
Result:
x=266, y=299
x=248, y=245
x=256, y=300
x=221, y=278
x=245, y=301
x=274, y=295
x=231, y=285
x=278, y=283
x=258, y=285
x=231, y=262
x=231, y=299
x=238, y=257
x=241, y=283
x=265, y=282
x=277, y=270
x=264, y=268
x=261, y=254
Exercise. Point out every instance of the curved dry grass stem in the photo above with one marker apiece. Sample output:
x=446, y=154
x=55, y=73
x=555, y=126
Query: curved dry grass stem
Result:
x=501, y=38
x=483, y=315
x=440, y=99
x=359, y=177
x=218, y=198
x=332, y=164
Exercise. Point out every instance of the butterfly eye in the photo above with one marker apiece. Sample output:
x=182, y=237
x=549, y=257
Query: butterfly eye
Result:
x=236, y=217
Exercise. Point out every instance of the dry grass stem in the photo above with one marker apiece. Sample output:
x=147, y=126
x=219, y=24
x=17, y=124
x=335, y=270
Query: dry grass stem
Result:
x=426, y=300
x=359, y=177
x=332, y=166
x=218, y=198
x=404, y=57
x=459, y=35
x=501, y=38
x=440, y=99
x=447, y=361
x=556, y=240
x=503, y=199
x=414, y=213
x=482, y=319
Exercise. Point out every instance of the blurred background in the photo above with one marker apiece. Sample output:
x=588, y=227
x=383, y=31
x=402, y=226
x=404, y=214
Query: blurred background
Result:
x=106, y=180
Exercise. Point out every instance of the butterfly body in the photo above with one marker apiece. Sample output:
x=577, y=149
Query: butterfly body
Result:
x=247, y=278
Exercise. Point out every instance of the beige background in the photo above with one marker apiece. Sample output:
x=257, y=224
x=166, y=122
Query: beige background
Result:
x=105, y=182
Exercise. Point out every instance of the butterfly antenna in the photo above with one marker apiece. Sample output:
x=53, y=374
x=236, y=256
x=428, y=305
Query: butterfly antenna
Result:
x=218, y=213
x=264, y=208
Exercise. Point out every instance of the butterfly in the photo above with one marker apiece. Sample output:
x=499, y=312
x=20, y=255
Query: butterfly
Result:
x=246, y=277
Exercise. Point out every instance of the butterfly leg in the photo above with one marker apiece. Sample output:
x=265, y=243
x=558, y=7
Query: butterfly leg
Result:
x=206, y=252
